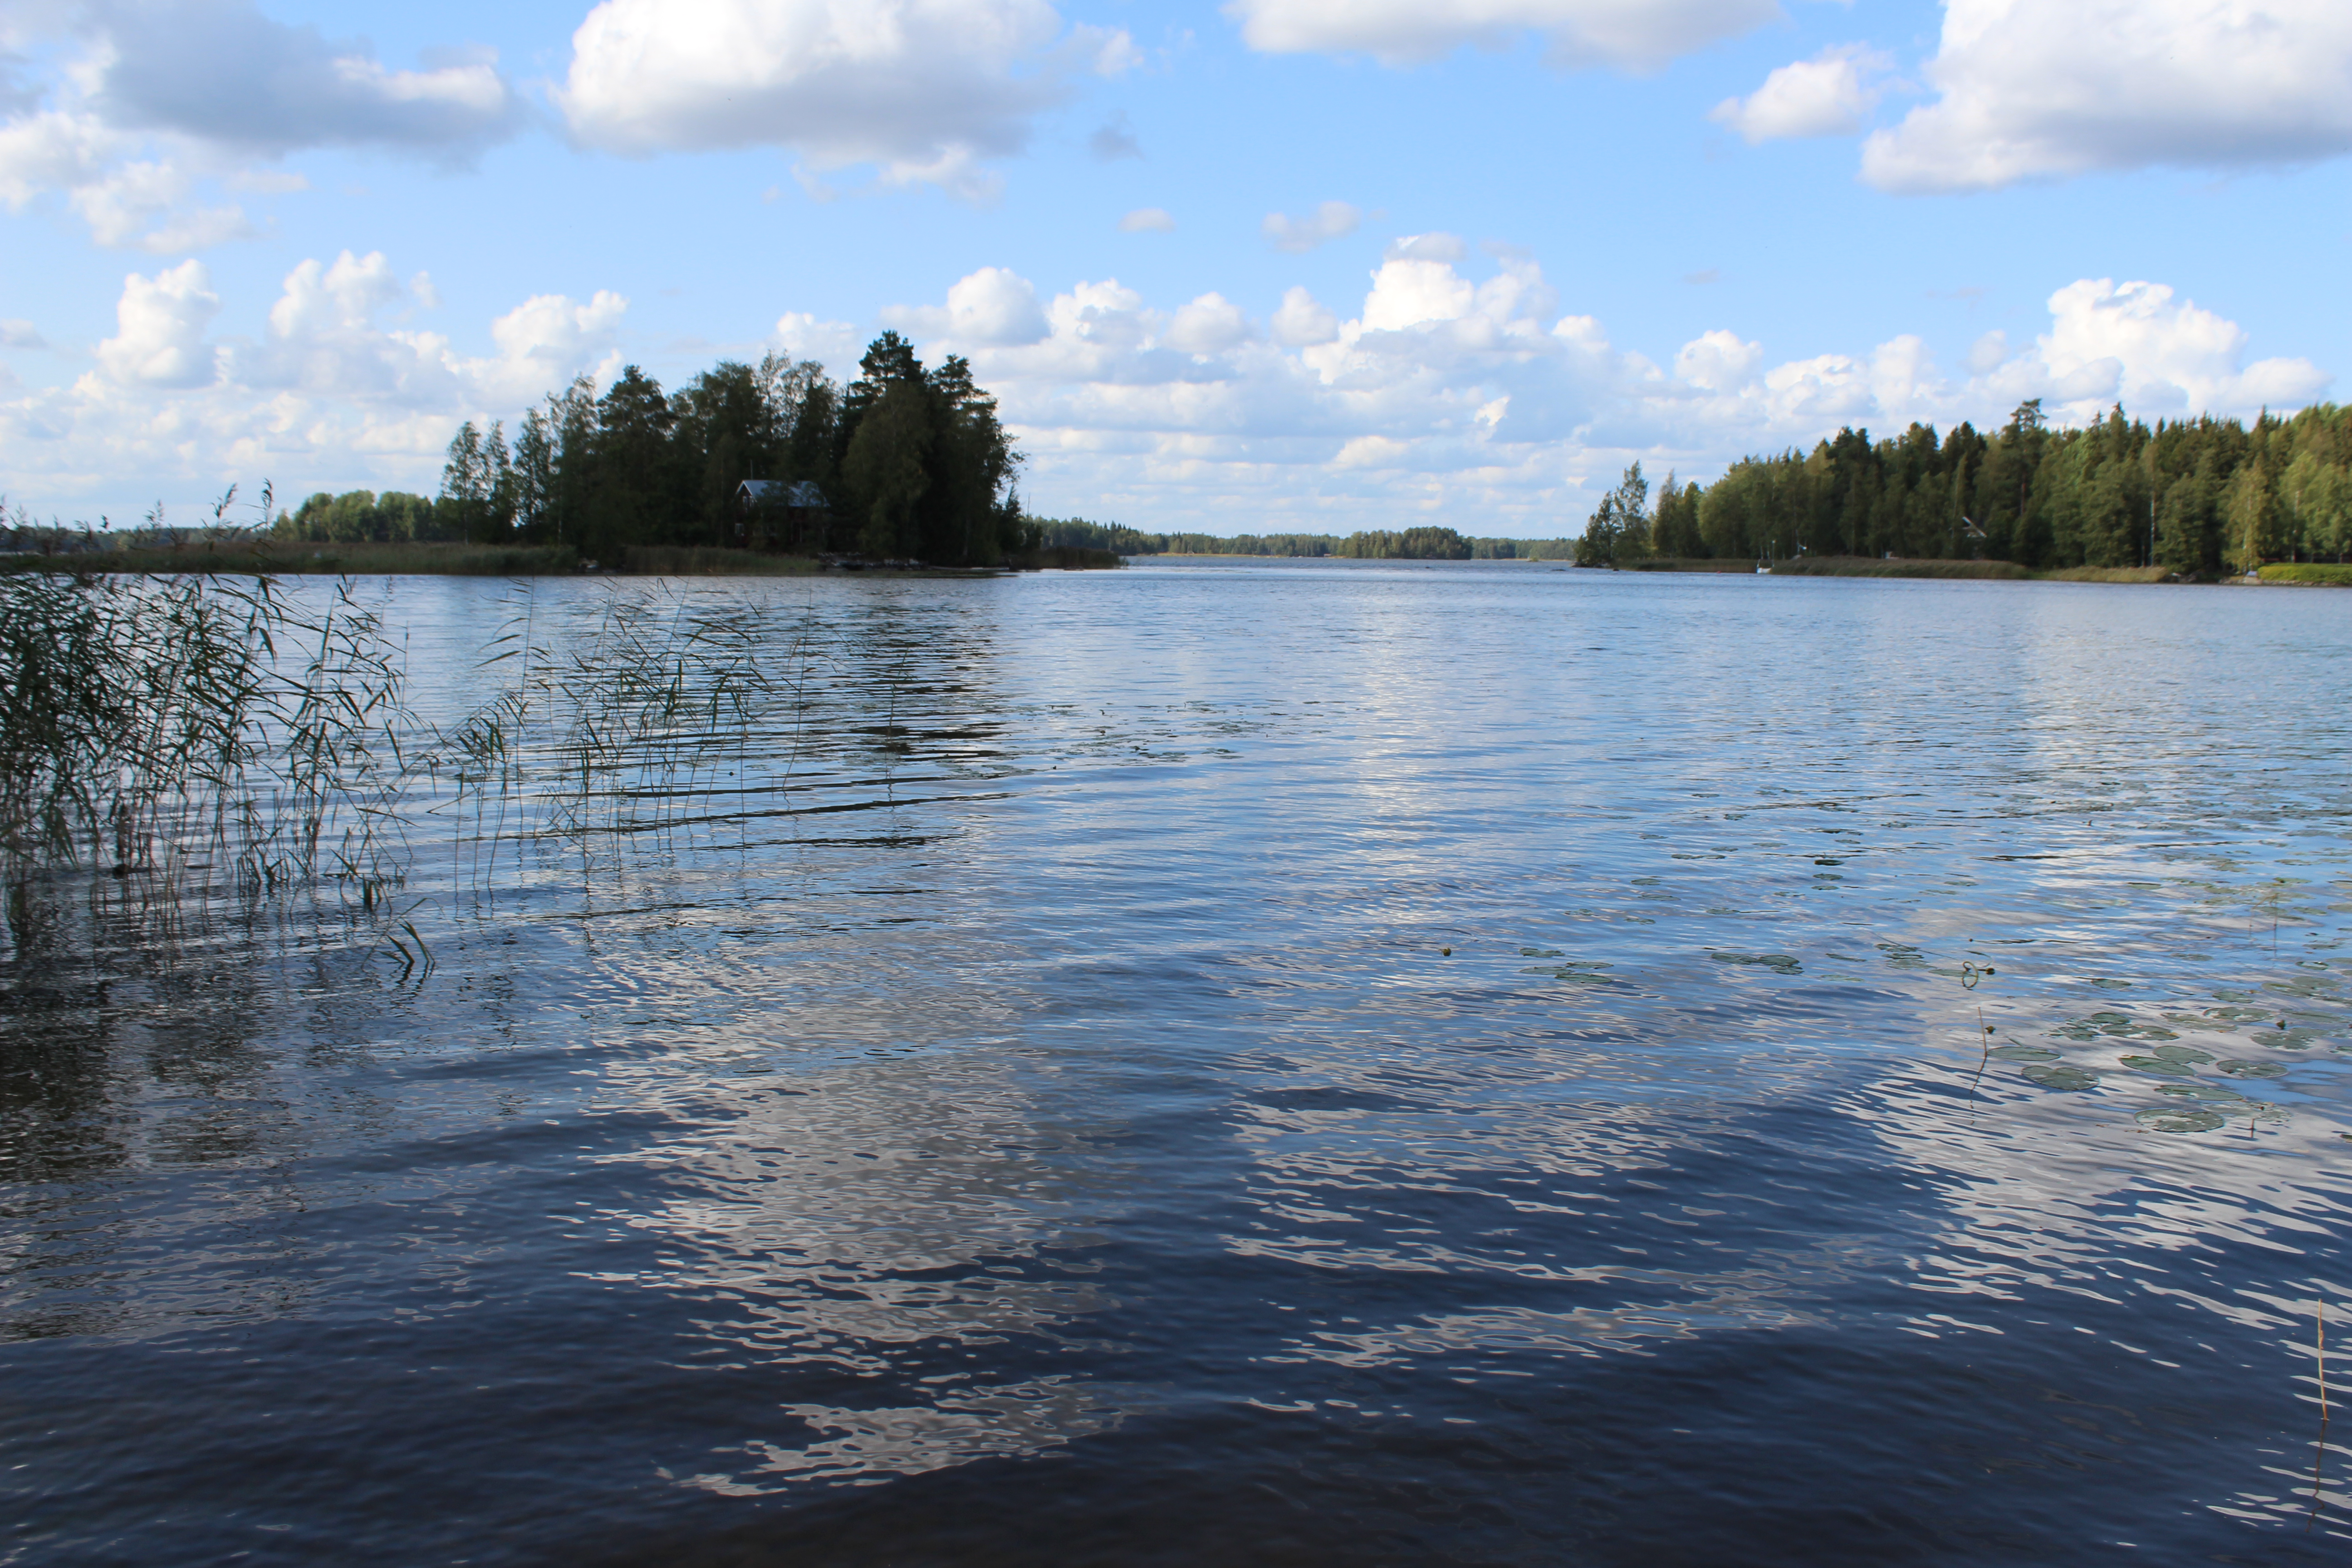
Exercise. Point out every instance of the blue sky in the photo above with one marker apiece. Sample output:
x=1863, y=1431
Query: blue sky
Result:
x=1283, y=263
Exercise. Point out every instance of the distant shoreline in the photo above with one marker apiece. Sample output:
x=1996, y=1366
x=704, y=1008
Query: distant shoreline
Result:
x=276, y=558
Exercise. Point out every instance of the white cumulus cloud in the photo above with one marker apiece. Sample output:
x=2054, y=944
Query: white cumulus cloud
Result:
x=160, y=325
x=1209, y=325
x=1718, y=360
x=327, y=394
x=921, y=88
x=1460, y=391
x=1453, y=386
x=1303, y=321
x=994, y=306
x=2031, y=91
x=1825, y=96
x=2137, y=343
x=1634, y=34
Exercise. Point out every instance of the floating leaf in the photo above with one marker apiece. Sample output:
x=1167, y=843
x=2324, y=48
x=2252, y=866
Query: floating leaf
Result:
x=2164, y=1119
x=2237, y=1069
x=1538, y=952
x=2024, y=1052
x=2160, y=1067
x=2181, y=1054
x=2062, y=1076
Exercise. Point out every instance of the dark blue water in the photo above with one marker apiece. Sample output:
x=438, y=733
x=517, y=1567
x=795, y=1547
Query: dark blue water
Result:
x=1214, y=1063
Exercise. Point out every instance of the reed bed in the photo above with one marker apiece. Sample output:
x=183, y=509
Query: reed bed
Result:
x=194, y=750
x=148, y=722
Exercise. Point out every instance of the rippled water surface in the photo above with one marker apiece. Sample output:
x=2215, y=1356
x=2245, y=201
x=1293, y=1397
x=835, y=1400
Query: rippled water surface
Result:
x=1298, y=1063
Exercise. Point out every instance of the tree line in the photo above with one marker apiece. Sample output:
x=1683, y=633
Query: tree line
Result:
x=2193, y=496
x=908, y=462
x=1380, y=544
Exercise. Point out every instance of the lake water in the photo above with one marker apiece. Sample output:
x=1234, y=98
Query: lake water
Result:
x=1300, y=1062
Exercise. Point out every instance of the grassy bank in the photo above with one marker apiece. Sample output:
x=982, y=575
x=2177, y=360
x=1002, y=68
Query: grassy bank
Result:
x=1865, y=566
x=2106, y=574
x=2325, y=574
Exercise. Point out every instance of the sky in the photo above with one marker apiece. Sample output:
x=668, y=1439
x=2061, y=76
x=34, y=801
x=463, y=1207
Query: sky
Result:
x=1277, y=264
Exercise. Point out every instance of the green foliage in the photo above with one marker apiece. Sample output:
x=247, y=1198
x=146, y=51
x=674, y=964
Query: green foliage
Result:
x=908, y=464
x=362, y=516
x=2187, y=496
x=2334, y=574
x=1619, y=532
x=1411, y=545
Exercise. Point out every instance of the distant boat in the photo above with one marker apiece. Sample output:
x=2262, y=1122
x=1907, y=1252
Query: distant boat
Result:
x=1763, y=568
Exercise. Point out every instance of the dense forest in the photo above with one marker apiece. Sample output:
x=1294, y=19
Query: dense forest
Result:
x=2195, y=497
x=1410, y=544
x=908, y=463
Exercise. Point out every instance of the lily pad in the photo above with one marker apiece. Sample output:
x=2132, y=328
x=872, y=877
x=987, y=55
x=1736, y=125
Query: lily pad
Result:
x=1538, y=952
x=2168, y=1119
x=2058, y=1076
x=2159, y=1067
x=2308, y=989
x=2236, y=1015
x=2025, y=1054
x=2237, y=1069
x=2181, y=1054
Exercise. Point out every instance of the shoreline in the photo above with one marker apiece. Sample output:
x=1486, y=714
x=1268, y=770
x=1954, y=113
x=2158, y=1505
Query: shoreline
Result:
x=456, y=560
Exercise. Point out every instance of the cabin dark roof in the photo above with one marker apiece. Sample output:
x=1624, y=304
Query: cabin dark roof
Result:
x=795, y=493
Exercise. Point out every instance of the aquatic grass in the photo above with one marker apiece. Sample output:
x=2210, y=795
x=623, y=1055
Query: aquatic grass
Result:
x=185, y=747
x=146, y=721
x=614, y=739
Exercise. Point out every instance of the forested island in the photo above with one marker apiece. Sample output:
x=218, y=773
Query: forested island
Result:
x=908, y=463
